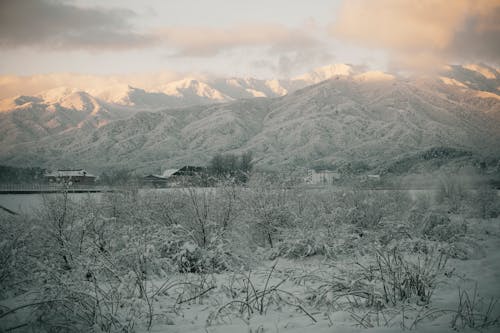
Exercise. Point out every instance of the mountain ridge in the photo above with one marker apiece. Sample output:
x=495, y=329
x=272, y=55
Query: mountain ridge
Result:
x=346, y=118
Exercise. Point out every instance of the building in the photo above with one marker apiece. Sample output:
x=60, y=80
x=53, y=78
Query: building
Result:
x=169, y=172
x=189, y=170
x=321, y=177
x=77, y=176
x=187, y=175
x=373, y=177
x=155, y=181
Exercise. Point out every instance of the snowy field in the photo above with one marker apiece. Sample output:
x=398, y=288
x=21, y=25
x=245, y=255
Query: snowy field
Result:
x=266, y=258
x=31, y=203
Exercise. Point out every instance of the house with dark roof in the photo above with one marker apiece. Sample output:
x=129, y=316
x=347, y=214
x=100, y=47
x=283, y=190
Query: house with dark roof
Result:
x=155, y=181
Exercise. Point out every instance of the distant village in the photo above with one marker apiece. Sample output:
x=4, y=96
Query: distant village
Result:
x=170, y=177
x=193, y=175
x=221, y=168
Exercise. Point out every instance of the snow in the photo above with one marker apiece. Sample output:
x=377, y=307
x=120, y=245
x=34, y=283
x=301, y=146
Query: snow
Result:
x=187, y=86
x=255, y=93
x=465, y=275
x=374, y=76
x=169, y=172
x=276, y=87
x=332, y=291
x=118, y=94
x=325, y=73
x=486, y=94
x=488, y=73
x=452, y=82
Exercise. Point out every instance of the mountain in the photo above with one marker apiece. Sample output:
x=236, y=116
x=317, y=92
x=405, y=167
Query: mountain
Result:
x=324, y=73
x=140, y=99
x=191, y=91
x=478, y=77
x=367, y=119
x=29, y=118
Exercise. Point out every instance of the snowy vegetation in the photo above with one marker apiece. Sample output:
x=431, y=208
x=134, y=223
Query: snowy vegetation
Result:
x=264, y=257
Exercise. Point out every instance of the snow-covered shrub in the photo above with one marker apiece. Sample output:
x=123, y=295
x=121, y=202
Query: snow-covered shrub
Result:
x=475, y=312
x=16, y=244
x=390, y=279
x=486, y=202
x=395, y=204
x=188, y=257
x=452, y=193
x=397, y=277
x=302, y=242
x=268, y=209
x=78, y=267
x=86, y=303
x=420, y=208
x=438, y=226
x=249, y=297
x=205, y=239
x=464, y=249
x=362, y=209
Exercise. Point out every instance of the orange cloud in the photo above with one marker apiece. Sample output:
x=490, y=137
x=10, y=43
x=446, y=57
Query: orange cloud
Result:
x=423, y=34
x=12, y=85
x=204, y=41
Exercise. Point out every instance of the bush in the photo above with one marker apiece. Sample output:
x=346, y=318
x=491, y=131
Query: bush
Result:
x=486, y=202
x=303, y=242
x=187, y=257
x=268, y=209
x=16, y=245
x=360, y=208
x=420, y=208
x=475, y=312
x=438, y=226
x=452, y=193
x=404, y=279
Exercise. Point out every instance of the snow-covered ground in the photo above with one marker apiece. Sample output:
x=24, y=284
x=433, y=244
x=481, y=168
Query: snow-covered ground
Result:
x=259, y=259
x=300, y=280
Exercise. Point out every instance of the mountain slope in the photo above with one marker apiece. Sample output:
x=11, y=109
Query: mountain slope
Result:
x=371, y=118
x=29, y=118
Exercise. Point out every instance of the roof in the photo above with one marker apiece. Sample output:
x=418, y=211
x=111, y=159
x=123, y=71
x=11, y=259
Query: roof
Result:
x=169, y=172
x=188, y=170
x=155, y=177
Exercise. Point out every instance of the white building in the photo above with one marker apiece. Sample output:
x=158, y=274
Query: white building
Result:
x=72, y=175
x=321, y=177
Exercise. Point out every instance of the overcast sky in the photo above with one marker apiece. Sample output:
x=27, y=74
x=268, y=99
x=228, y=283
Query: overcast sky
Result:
x=260, y=38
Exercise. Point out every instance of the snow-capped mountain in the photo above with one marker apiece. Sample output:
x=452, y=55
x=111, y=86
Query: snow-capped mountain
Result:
x=368, y=117
x=28, y=118
x=475, y=76
x=325, y=73
x=191, y=90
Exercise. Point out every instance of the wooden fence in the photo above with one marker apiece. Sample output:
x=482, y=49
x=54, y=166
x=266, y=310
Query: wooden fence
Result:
x=50, y=188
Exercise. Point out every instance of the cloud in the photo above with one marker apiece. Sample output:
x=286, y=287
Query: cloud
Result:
x=423, y=34
x=57, y=25
x=208, y=42
x=289, y=64
x=479, y=37
x=13, y=85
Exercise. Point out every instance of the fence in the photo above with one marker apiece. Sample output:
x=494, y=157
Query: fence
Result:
x=50, y=188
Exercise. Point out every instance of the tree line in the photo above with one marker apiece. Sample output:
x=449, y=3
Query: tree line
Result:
x=231, y=166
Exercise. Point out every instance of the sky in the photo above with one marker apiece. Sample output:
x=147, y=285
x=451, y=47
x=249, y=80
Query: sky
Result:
x=258, y=38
